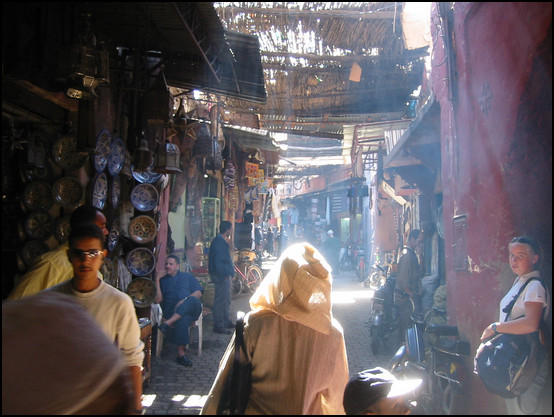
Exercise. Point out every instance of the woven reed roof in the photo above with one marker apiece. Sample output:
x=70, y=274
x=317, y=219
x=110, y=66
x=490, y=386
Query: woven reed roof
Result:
x=308, y=50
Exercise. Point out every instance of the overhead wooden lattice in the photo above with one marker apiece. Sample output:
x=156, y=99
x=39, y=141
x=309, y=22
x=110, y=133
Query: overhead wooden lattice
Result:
x=308, y=50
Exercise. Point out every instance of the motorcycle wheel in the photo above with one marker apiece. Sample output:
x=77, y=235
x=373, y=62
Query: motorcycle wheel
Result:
x=374, y=280
x=375, y=343
x=448, y=396
x=376, y=333
x=425, y=403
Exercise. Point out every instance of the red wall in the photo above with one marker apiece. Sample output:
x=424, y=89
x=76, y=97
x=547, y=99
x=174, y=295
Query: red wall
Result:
x=496, y=129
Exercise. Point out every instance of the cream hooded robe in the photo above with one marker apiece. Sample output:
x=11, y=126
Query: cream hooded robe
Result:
x=297, y=349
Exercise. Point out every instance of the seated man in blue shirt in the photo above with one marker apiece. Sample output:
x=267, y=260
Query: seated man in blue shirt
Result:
x=179, y=294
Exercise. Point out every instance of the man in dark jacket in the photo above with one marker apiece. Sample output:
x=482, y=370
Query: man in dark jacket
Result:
x=408, y=279
x=222, y=269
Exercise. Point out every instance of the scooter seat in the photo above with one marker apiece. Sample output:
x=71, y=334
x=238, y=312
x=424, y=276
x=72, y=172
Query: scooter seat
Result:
x=453, y=347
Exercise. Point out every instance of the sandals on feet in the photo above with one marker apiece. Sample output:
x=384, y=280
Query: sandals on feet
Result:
x=183, y=360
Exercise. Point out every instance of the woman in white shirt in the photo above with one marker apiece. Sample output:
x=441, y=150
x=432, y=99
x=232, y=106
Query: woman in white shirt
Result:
x=525, y=317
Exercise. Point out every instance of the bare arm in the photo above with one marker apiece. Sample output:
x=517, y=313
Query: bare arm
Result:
x=197, y=294
x=159, y=295
x=526, y=324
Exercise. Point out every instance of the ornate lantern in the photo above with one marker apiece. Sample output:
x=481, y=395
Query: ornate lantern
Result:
x=167, y=158
x=87, y=65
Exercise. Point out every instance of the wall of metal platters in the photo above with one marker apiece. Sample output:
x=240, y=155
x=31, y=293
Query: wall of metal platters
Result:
x=45, y=178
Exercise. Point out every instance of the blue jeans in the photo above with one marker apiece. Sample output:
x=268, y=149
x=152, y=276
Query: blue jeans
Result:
x=189, y=310
x=222, y=303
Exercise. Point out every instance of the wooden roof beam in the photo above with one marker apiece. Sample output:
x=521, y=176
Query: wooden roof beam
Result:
x=323, y=135
x=359, y=91
x=344, y=58
x=343, y=14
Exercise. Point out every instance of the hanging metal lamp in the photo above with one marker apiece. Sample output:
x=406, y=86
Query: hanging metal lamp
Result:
x=167, y=159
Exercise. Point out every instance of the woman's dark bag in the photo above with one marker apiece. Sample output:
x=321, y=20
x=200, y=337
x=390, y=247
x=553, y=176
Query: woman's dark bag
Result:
x=236, y=391
x=508, y=363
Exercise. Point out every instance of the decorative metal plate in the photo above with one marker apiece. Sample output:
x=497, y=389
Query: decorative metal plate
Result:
x=115, y=191
x=116, y=157
x=67, y=192
x=61, y=229
x=143, y=229
x=113, y=236
x=107, y=271
x=33, y=249
x=143, y=291
x=102, y=150
x=141, y=261
x=148, y=176
x=37, y=195
x=145, y=197
x=39, y=225
x=64, y=153
x=100, y=191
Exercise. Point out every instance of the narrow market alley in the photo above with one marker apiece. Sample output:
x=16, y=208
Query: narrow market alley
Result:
x=358, y=127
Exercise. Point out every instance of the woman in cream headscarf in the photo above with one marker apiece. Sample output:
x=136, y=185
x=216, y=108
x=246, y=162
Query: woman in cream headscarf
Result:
x=296, y=348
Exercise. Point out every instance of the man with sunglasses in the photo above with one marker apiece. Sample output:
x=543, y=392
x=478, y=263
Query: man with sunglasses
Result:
x=53, y=267
x=112, y=309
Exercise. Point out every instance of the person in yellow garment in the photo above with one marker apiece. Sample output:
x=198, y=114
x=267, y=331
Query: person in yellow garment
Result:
x=296, y=347
x=53, y=267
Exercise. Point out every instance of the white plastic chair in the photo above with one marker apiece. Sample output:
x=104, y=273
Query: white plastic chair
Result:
x=197, y=323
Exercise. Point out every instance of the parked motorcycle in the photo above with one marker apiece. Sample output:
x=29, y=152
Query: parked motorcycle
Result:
x=377, y=276
x=434, y=353
x=383, y=322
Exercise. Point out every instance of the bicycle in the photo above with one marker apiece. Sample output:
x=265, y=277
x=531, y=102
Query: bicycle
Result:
x=247, y=276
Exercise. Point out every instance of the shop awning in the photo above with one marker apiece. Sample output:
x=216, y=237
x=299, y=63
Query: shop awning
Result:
x=421, y=137
x=249, y=140
x=416, y=156
x=198, y=51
